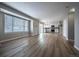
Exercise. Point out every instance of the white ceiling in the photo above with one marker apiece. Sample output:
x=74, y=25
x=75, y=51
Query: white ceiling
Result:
x=48, y=12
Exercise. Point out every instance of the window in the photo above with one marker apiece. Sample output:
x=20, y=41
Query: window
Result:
x=15, y=24
x=18, y=25
x=8, y=23
x=26, y=26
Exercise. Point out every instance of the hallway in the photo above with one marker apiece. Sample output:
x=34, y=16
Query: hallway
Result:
x=44, y=45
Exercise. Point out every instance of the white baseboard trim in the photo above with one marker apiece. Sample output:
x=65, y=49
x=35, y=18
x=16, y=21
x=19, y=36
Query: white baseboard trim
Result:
x=76, y=47
x=65, y=37
x=1, y=41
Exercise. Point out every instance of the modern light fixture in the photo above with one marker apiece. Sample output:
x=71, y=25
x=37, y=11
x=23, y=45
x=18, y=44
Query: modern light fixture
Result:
x=72, y=10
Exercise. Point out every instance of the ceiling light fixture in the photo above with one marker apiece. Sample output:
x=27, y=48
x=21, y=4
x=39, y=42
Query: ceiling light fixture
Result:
x=72, y=10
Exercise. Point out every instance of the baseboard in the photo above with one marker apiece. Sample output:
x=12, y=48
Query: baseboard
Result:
x=1, y=41
x=65, y=37
x=76, y=47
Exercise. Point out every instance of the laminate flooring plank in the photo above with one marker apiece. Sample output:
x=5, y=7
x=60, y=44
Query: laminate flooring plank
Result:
x=43, y=45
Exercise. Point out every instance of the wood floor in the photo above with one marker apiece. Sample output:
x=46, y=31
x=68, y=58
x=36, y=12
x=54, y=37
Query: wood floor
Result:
x=44, y=45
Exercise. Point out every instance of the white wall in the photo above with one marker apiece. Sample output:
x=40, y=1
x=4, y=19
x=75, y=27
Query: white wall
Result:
x=35, y=28
x=65, y=28
x=76, y=44
x=41, y=28
x=56, y=25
